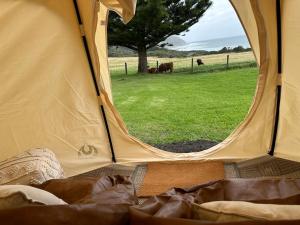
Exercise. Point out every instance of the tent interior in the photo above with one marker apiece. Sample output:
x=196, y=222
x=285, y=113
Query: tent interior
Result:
x=57, y=114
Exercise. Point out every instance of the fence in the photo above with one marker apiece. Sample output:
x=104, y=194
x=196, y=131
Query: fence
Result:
x=127, y=66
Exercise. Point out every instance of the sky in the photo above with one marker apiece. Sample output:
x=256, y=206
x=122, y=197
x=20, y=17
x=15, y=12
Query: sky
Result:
x=219, y=21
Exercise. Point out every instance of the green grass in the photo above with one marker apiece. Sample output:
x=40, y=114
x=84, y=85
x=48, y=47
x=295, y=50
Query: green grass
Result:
x=166, y=108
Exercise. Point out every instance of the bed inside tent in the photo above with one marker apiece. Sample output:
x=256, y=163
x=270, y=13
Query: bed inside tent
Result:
x=68, y=158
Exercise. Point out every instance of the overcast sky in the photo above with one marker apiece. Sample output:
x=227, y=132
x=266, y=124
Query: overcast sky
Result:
x=220, y=20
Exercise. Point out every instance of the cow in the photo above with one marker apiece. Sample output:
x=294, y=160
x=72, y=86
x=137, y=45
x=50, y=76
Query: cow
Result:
x=200, y=62
x=165, y=67
x=152, y=70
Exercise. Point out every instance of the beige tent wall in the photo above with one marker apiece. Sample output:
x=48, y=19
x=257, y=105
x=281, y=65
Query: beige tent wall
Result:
x=94, y=17
x=47, y=96
x=125, y=8
x=288, y=139
x=253, y=137
x=247, y=18
x=88, y=10
x=102, y=49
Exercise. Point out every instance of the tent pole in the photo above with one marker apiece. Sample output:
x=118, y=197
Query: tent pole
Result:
x=279, y=69
x=85, y=43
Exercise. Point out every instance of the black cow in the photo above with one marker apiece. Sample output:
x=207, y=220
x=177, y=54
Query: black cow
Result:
x=200, y=62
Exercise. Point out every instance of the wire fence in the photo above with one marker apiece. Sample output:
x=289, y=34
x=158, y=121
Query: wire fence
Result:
x=129, y=65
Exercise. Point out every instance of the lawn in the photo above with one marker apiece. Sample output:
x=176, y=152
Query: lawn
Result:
x=168, y=108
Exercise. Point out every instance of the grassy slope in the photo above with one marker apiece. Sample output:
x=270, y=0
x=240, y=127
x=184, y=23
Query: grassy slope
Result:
x=183, y=107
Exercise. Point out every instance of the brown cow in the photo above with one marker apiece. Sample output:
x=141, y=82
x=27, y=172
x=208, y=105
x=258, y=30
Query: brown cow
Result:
x=200, y=62
x=152, y=70
x=165, y=67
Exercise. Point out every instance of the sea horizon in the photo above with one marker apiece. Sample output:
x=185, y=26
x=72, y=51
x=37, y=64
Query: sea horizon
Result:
x=215, y=44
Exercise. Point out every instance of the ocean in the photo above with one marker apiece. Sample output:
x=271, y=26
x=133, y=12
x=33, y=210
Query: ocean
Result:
x=214, y=44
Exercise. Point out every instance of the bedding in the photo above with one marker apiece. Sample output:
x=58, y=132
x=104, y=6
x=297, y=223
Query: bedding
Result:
x=34, y=166
x=13, y=196
x=111, y=200
x=93, y=201
x=233, y=211
x=175, y=206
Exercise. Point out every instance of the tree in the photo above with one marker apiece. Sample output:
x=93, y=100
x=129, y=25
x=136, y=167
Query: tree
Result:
x=155, y=21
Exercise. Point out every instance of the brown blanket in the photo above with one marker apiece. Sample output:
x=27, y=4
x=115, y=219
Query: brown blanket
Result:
x=174, y=206
x=93, y=201
x=111, y=200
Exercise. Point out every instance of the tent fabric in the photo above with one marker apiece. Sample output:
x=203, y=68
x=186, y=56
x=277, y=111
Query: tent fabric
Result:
x=102, y=50
x=47, y=94
x=288, y=139
x=247, y=17
x=48, y=97
x=125, y=8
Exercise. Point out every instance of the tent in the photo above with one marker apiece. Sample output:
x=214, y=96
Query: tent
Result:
x=56, y=91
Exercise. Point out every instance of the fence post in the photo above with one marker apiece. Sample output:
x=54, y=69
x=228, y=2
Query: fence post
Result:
x=126, y=71
x=156, y=65
x=227, y=62
x=192, y=65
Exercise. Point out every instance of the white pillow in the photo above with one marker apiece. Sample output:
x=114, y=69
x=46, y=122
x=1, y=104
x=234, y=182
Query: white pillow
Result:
x=34, y=166
x=233, y=211
x=13, y=196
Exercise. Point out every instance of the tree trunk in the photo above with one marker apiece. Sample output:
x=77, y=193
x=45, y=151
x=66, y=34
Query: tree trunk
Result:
x=142, y=53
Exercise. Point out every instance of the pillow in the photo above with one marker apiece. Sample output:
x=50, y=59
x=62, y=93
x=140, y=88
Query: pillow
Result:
x=13, y=196
x=31, y=167
x=234, y=211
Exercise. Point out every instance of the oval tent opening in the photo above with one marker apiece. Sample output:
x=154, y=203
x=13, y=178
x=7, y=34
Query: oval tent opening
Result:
x=198, y=86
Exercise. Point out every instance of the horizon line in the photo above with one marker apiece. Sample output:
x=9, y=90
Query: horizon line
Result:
x=215, y=38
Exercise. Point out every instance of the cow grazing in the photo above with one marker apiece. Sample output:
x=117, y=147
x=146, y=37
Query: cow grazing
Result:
x=200, y=62
x=165, y=67
x=152, y=70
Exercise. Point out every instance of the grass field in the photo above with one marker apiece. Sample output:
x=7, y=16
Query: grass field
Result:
x=167, y=108
x=117, y=65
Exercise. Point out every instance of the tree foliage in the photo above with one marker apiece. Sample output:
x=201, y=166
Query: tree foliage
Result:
x=155, y=20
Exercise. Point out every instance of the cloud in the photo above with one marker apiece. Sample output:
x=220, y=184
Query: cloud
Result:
x=220, y=20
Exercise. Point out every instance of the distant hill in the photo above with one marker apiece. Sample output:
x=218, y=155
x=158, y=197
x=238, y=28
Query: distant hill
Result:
x=174, y=40
x=119, y=51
